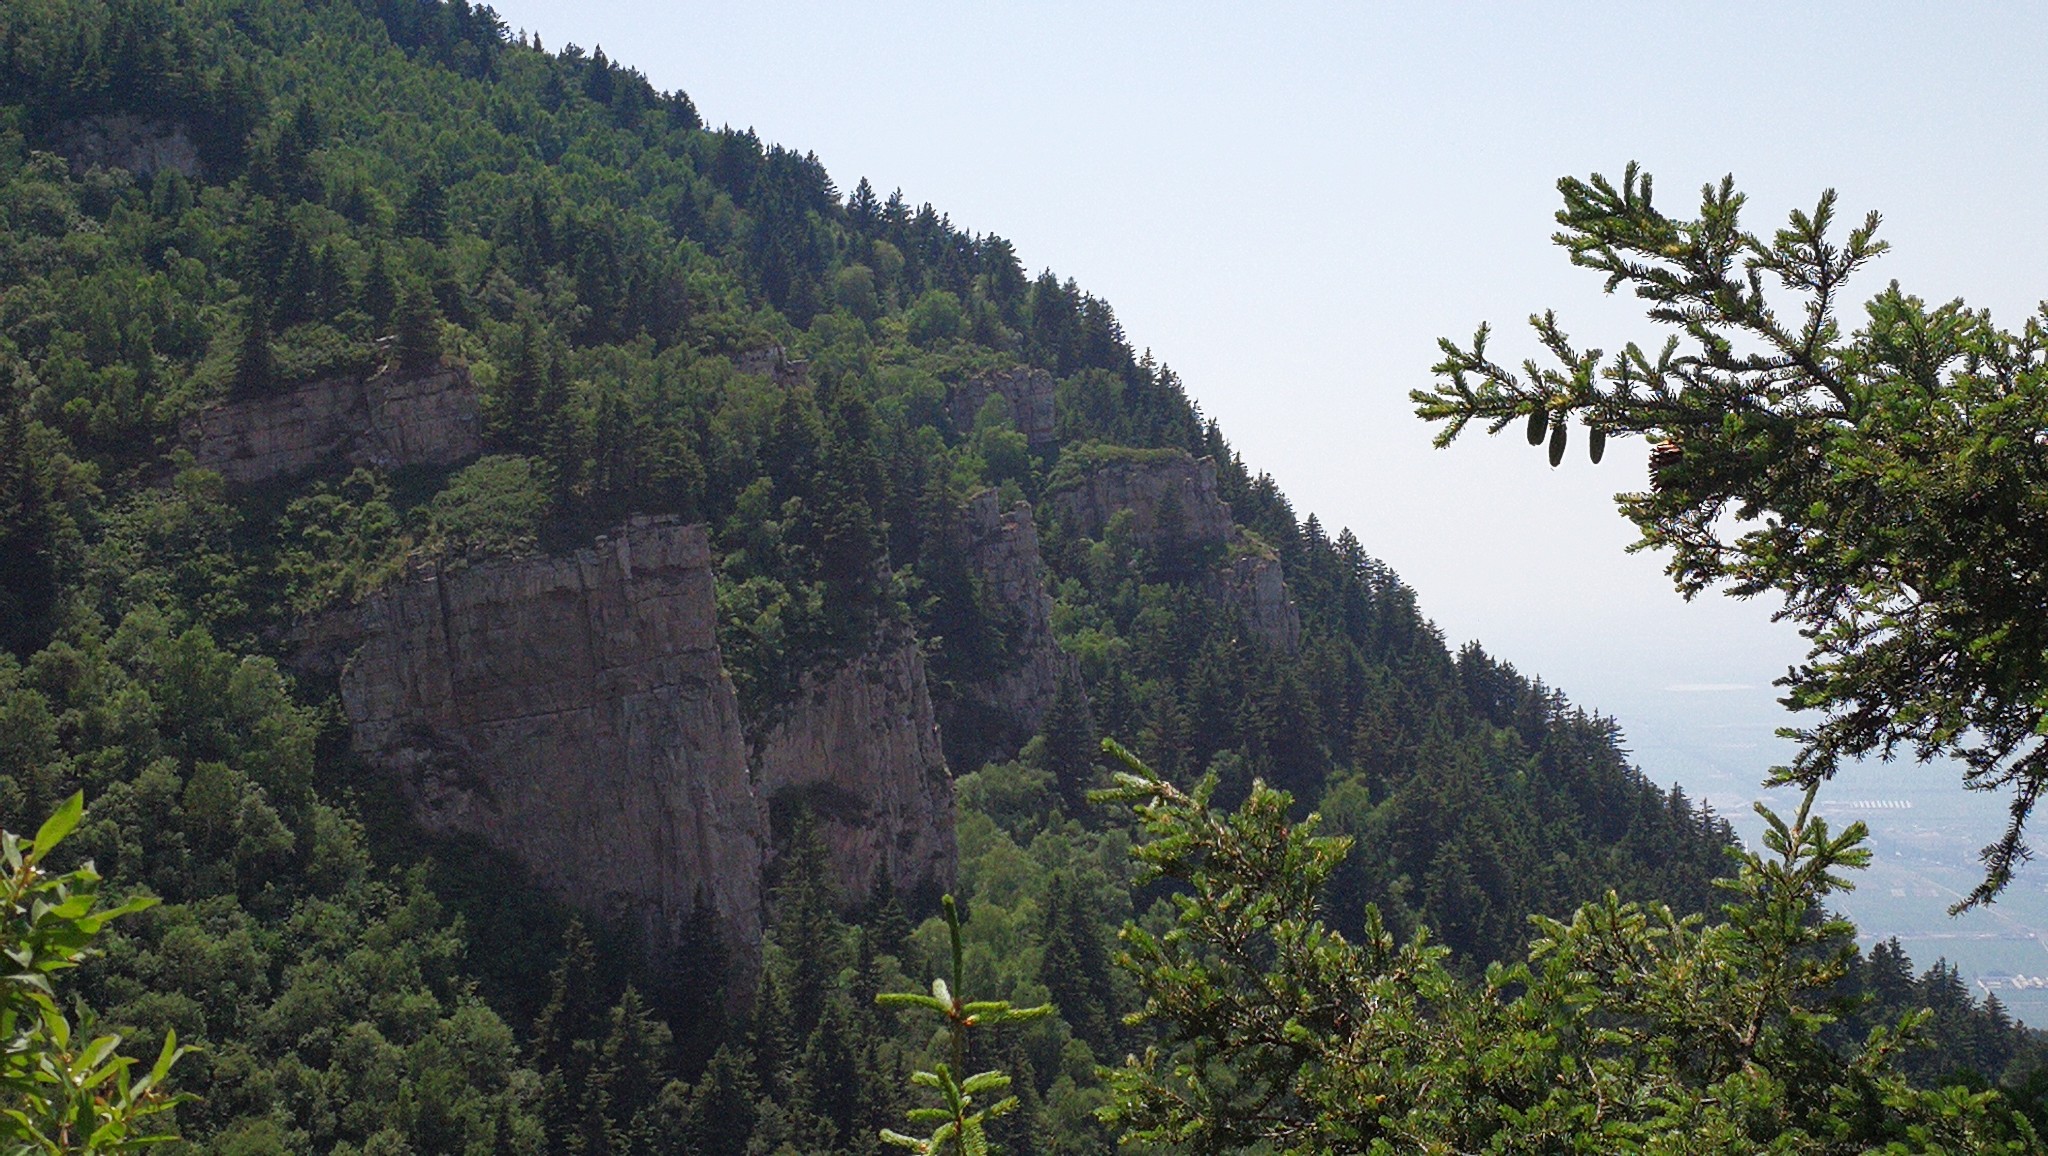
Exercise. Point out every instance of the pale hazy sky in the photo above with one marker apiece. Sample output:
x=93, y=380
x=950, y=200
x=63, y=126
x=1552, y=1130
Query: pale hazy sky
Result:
x=1290, y=203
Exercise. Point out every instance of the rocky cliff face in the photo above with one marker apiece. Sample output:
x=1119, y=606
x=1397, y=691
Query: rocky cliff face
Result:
x=385, y=421
x=861, y=749
x=1026, y=392
x=1254, y=584
x=573, y=711
x=1001, y=548
x=1174, y=494
x=1149, y=484
x=774, y=363
x=142, y=145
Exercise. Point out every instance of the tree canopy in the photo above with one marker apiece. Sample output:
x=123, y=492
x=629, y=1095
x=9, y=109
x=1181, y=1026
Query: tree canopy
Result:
x=1888, y=479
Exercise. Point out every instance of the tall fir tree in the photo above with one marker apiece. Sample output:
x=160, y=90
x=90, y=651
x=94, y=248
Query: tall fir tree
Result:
x=724, y=1106
x=1070, y=745
x=417, y=319
x=564, y=1046
x=28, y=567
x=255, y=364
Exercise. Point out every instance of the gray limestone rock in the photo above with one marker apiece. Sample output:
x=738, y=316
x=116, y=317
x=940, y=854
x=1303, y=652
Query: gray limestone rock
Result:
x=861, y=749
x=774, y=363
x=1148, y=483
x=1254, y=584
x=385, y=421
x=573, y=711
x=1174, y=493
x=1027, y=393
x=142, y=145
x=1001, y=548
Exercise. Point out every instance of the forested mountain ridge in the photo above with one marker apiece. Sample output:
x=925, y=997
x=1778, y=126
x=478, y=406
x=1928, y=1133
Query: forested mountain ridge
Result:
x=537, y=304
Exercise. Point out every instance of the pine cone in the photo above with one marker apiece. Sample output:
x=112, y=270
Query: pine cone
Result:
x=1663, y=456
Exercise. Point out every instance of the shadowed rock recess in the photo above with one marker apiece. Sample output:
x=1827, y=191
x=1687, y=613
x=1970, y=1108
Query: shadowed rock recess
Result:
x=861, y=748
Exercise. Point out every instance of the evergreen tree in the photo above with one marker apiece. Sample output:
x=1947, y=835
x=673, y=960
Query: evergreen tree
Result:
x=863, y=210
x=808, y=929
x=426, y=210
x=380, y=289
x=699, y=981
x=29, y=585
x=1074, y=967
x=848, y=546
x=630, y=1069
x=564, y=1047
x=722, y=1109
x=771, y=1039
x=1884, y=519
x=828, y=1077
x=417, y=319
x=255, y=365
x=518, y=415
x=790, y=453
x=887, y=926
x=1070, y=745
x=1174, y=557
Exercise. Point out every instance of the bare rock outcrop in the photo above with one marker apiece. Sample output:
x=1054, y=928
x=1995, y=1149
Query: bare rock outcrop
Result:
x=860, y=749
x=1007, y=704
x=1254, y=584
x=774, y=363
x=1026, y=392
x=573, y=711
x=1168, y=492
x=1172, y=495
x=142, y=145
x=387, y=420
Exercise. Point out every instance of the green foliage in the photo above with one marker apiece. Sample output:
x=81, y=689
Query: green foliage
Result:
x=1878, y=479
x=958, y=1125
x=1628, y=1028
x=935, y=317
x=60, y=1093
x=496, y=505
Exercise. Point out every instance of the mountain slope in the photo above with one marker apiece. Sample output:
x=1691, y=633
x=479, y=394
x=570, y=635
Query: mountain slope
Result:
x=315, y=312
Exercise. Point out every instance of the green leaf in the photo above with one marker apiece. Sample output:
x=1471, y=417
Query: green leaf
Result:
x=57, y=826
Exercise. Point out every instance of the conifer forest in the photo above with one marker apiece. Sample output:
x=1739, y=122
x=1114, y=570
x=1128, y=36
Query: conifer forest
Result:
x=533, y=623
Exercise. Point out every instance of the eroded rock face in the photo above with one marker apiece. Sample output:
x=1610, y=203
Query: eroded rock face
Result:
x=1159, y=490
x=142, y=145
x=573, y=711
x=861, y=749
x=1173, y=495
x=1001, y=548
x=1255, y=585
x=774, y=363
x=1026, y=392
x=385, y=421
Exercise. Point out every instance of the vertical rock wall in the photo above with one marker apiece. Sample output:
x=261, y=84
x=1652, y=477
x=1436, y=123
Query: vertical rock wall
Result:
x=1026, y=392
x=1254, y=585
x=1175, y=493
x=1146, y=483
x=142, y=145
x=1001, y=548
x=385, y=421
x=861, y=750
x=573, y=711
